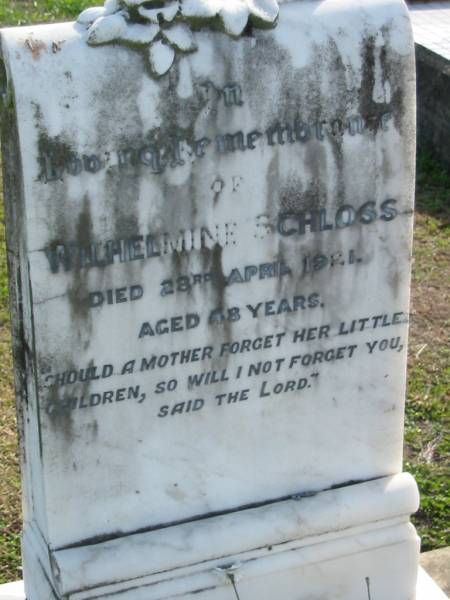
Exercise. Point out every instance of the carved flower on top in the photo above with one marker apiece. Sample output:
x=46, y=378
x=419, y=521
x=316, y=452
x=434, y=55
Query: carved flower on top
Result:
x=163, y=25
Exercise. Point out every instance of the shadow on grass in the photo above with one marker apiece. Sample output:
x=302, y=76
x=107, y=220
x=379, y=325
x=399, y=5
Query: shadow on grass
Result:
x=433, y=187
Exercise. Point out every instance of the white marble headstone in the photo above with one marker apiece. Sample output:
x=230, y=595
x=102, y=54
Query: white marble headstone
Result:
x=209, y=213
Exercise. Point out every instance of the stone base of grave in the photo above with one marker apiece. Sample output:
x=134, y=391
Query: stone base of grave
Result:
x=426, y=589
x=351, y=543
x=436, y=563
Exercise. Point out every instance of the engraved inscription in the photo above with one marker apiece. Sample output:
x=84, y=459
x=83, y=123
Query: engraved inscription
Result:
x=288, y=225
x=303, y=354
x=169, y=152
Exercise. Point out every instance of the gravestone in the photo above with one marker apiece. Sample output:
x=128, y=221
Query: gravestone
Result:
x=209, y=219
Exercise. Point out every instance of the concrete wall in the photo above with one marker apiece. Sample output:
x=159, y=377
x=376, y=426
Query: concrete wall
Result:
x=433, y=103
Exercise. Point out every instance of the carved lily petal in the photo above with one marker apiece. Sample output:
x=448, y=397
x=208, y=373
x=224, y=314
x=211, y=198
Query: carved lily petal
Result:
x=140, y=34
x=168, y=12
x=180, y=37
x=161, y=57
x=234, y=15
x=111, y=7
x=88, y=16
x=107, y=29
x=200, y=8
x=267, y=10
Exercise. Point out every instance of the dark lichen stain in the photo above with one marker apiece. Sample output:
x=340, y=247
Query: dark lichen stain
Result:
x=18, y=270
x=211, y=261
x=294, y=196
x=299, y=96
x=3, y=82
x=64, y=419
x=78, y=290
x=395, y=278
x=58, y=152
x=60, y=419
x=391, y=72
x=218, y=274
x=122, y=192
x=93, y=429
x=177, y=116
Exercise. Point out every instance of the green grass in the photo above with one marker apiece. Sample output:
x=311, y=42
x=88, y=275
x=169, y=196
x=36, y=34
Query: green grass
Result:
x=23, y=12
x=427, y=426
x=10, y=515
x=427, y=437
x=3, y=269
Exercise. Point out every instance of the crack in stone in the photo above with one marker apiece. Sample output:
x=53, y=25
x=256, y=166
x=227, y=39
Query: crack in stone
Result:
x=233, y=583
x=368, y=588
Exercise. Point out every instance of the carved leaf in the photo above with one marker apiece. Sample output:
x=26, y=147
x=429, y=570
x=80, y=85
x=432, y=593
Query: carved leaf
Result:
x=199, y=8
x=234, y=13
x=141, y=22
x=168, y=12
x=107, y=29
x=180, y=37
x=88, y=16
x=111, y=6
x=140, y=34
x=235, y=16
x=161, y=57
x=266, y=10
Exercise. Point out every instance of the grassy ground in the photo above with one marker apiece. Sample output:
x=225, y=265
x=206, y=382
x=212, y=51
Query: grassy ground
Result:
x=22, y=12
x=427, y=434
x=427, y=437
x=10, y=516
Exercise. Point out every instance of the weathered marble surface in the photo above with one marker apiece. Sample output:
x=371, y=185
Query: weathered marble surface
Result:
x=349, y=543
x=222, y=255
x=426, y=589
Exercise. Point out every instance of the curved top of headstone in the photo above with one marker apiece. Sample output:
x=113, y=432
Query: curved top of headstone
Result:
x=164, y=27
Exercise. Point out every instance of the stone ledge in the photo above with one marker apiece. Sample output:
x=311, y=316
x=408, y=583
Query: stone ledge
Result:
x=426, y=589
x=436, y=563
x=335, y=524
